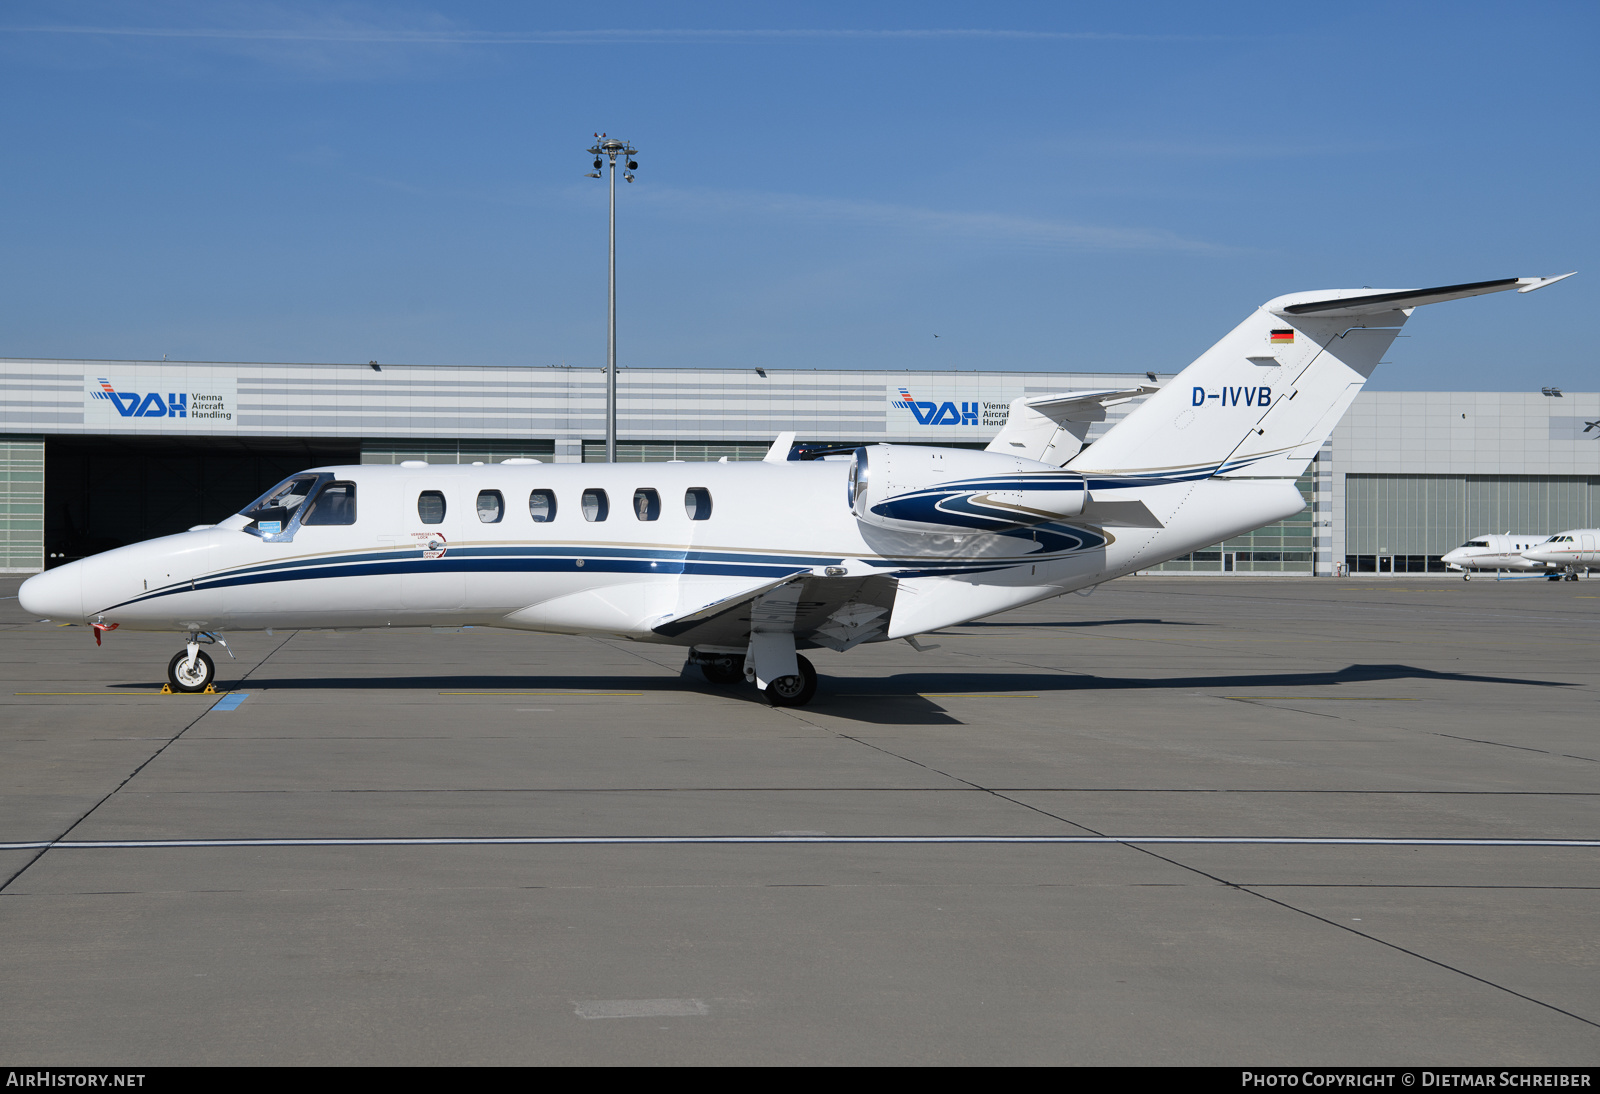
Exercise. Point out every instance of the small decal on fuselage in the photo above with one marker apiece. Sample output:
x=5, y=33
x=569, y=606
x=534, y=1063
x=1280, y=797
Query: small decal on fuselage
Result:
x=432, y=543
x=1234, y=396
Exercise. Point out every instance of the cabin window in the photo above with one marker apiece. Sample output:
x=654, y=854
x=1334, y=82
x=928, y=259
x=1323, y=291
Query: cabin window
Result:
x=647, y=504
x=491, y=506
x=542, y=505
x=336, y=504
x=697, y=503
x=430, y=507
x=595, y=505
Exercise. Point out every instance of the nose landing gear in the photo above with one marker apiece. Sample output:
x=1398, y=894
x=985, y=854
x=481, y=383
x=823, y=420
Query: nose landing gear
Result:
x=191, y=669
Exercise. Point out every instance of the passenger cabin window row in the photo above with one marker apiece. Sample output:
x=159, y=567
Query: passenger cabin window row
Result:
x=542, y=507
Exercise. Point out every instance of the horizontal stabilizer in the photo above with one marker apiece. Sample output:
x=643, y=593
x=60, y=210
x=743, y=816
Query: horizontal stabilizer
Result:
x=1101, y=397
x=1119, y=514
x=1366, y=302
x=1051, y=428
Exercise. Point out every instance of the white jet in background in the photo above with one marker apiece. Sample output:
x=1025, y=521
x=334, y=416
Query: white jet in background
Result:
x=746, y=564
x=1569, y=552
x=1495, y=552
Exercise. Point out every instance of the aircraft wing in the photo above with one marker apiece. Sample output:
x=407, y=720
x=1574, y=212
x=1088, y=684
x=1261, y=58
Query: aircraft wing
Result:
x=673, y=625
x=836, y=612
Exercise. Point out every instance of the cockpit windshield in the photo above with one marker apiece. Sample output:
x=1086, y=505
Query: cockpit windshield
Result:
x=288, y=494
x=271, y=513
x=1476, y=543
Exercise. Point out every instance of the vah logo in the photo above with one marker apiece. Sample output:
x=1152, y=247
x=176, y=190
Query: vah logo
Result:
x=938, y=413
x=1235, y=396
x=132, y=405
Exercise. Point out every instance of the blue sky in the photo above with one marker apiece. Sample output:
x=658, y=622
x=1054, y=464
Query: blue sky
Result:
x=1043, y=186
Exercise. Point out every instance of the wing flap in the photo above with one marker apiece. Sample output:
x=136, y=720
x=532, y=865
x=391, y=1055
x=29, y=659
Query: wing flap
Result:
x=675, y=624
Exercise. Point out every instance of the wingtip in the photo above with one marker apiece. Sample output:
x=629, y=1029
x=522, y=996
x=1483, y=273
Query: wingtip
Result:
x=1531, y=283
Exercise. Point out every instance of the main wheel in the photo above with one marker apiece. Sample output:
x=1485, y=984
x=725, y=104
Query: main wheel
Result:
x=794, y=691
x=723, y=671
x=190, y=678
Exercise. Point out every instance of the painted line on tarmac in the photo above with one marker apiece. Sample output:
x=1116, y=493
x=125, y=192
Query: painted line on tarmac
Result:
x=974, y=695
x=231, y=701
x=584, y=841
x=1329, y=698
x=109, y=694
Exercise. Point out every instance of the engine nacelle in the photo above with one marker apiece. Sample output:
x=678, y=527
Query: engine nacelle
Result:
x=952, y=490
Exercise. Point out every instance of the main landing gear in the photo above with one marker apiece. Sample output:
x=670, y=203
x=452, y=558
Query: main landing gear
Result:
x=722, y=669
x=727, y=669
x=793, y=691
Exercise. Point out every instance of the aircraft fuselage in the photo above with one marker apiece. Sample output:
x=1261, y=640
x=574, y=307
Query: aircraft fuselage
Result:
x=613, y=572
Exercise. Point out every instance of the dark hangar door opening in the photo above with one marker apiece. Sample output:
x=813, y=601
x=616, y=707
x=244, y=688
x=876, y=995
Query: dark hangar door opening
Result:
x=105, y=492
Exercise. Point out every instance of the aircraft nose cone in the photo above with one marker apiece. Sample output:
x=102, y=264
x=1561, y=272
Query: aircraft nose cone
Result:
x=54, y=594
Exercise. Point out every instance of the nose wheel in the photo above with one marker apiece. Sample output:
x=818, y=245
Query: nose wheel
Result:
x=189, y=675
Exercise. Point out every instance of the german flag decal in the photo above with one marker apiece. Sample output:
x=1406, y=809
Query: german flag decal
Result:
x=1283, y=337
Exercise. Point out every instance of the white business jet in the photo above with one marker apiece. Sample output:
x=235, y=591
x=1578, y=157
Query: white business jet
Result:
x=1570, y=551
x=1494, y=552
x=748, y=563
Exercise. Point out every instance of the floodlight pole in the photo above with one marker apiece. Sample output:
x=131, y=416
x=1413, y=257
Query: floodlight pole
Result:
x=611, y=148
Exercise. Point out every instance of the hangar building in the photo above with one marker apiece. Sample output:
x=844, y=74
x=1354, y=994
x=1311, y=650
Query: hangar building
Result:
x=96, y=454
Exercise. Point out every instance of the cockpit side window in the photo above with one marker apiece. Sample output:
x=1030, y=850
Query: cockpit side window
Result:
x=335, y=504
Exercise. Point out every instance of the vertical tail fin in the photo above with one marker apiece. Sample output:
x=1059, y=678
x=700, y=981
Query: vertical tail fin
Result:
x=1260, y=402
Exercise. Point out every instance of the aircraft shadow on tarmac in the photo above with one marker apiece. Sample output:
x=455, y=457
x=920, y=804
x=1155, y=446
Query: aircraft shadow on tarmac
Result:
x=899, y=699
x=958, y=628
